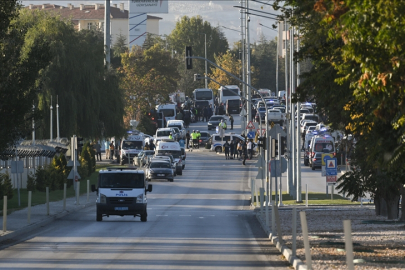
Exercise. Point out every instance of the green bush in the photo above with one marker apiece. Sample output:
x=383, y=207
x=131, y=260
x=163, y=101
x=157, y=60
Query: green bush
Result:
x=31, y=182
x=6, y=186
x=43, y=178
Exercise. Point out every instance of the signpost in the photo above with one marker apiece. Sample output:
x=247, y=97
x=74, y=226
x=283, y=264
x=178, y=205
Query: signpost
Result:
x=330, y=170
x=250, y=125
x=251, y=135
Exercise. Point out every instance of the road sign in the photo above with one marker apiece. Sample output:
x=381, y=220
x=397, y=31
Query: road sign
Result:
x=70, y=176
x=275, y=167
x=272, y=124
x=250, y=125
x=17, y=166
x=325, y=157
x=251, y=134
x=276, y=130
x=331, y=163
x=331, y=179
x=261, y=132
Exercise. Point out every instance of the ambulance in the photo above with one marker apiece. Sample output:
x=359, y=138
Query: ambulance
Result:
x=131, y=146
x=171, y=147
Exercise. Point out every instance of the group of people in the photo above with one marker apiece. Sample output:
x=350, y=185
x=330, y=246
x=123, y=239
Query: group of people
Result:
x=149, y=146
x=242, y=150
x=195, y=137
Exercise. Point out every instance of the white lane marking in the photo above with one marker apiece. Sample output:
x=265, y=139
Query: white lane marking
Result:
x=201, y=217
x=185, y=215
x=161, y=215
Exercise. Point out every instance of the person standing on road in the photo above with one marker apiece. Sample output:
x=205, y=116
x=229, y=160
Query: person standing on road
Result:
x=151, y=145
x=250, y=149
x=188, y=138
x=233, y=148
x=227, y=146
x=198, y=139
x=107, y=150
x=97, y=149
x=239, y=148
x=112, y=150
x=245, y=152
x=194, y=138
x=231, y=120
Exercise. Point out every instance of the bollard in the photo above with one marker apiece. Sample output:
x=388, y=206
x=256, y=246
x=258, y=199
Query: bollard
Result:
x=304, y=227
x=331, y=193
x=294, y=232
x=306, y=195
x=267, y=209
x=4, y=213
x=88, y=188
x=29, y=207
x=273, y=219
x=261, y=201
x=252, y=197
x=64, y=196
x=47, y=201
x=277, y=216
x=348, y=244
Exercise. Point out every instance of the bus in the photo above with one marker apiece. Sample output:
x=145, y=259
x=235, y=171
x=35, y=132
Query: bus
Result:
x=228, y=92
x=203, y=97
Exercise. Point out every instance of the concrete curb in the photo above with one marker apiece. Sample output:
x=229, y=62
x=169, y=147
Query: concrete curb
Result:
x=285, y=251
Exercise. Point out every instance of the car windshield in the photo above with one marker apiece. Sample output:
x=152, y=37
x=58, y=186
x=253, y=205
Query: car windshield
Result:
x=167, y=112
x=216, y=118
x=121, y=180
x=132, y=145
x=175, y=154
x=162, y=133
x=160, y=165
x=319, y=147
x=262, y=109
x=175, y=126
x=149, y=153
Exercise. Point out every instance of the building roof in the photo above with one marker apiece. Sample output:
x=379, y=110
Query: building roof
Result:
x=86, y=12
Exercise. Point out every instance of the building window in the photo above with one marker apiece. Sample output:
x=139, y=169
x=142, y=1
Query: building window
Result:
x=89, y=26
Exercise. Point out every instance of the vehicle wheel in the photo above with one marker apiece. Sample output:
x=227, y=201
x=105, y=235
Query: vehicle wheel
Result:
x=306, y=162
x=218, y=149
x=99, y=217
x=183, y=167
x=313, y=168
x=170, y=180
x=144, y=217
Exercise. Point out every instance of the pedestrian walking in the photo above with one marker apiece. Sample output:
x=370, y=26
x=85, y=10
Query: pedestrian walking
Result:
x=227, y=147
x=151, y=145
x=111, y=150
x=239, y=148
x=146, y=147
x=107, y=149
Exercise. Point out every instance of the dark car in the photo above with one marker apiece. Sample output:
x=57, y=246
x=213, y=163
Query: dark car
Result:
x=205, y=136
x=261, y=114
x=316, y=161
x=215, y=120
x=160, y=170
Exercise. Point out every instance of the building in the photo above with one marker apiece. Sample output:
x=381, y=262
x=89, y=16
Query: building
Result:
x=92, y=16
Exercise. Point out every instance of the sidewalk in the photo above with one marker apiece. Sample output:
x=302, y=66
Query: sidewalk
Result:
x=17, y=222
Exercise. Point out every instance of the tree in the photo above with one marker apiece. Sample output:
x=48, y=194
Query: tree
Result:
x=190, y=32
x=119, y=47
x=149, y=76
x=229, y=63
x=90, y=100
x=22, y=56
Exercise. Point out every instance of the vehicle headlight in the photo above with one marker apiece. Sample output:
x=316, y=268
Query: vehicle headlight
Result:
x=151, y=171
x=103, y=198
x=139, y=198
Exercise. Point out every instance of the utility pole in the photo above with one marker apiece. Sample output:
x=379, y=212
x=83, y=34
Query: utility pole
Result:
x=248, y=79
x=57, y=120
x=298, y=129
x=288, y=110
x=206, y=69
x=293, y=126
x=51, y=129
x=242, y=43
x=33, y=125
x=107, y=32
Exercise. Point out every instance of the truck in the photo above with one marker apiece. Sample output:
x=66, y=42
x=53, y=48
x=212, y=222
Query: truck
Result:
x=121, y=191
x=131, y=146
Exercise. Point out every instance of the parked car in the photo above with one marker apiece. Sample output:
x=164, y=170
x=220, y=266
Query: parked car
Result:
x=159, y=169
x=205, y=136
x=215, y=120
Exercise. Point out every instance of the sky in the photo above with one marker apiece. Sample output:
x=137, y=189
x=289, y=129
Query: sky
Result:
x=217, y=13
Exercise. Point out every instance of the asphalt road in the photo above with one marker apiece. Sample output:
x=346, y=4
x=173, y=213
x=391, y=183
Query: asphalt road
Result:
x=202, y=220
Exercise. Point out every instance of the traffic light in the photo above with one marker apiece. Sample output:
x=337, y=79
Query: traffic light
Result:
x=283, y=146
x=189, y=63
x=79, y=142
x=262, y=142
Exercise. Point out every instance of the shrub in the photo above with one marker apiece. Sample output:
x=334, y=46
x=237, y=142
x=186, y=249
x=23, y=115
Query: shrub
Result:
x=6, y=186
x=43, y=178
x=31, y=182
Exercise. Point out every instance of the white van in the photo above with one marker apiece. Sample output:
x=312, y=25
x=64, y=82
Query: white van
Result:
x=169, y=111
x=171, y=147
x=131, y=146
x=324, y=144
x=121, y=191
x=178, y=124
